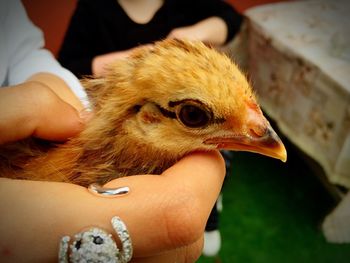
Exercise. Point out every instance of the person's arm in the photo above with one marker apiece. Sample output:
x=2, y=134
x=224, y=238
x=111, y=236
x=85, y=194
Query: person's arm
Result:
x=217, y=24
x=163, y=213
x=212, y=30
x=100, y=62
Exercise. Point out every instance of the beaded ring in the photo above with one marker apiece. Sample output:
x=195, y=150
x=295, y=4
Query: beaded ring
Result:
x=96, y=245
x=123, y=234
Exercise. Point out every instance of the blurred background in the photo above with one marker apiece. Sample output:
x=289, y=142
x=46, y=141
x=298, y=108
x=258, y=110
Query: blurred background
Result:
x=274, y=211
x=53, y=17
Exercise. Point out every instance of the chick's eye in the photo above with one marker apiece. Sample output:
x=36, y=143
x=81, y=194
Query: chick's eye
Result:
x=193, y=116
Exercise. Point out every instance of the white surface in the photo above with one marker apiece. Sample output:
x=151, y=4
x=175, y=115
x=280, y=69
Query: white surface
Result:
x=316, y=30
x=299, y=61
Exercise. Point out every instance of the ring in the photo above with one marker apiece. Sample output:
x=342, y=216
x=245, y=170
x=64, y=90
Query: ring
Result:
x=96, y=245
x=99, y=190
x=124, y=236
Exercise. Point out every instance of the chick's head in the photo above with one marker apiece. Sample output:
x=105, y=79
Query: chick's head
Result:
x=181, y=96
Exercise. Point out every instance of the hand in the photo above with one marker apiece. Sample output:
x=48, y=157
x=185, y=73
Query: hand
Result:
x=187, y=33
x=165, y=214
x=212, y=30
x=173, y=207
x=99, y=63
x=34, y=109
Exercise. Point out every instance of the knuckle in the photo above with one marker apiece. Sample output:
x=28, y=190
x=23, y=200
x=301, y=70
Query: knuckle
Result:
x=183, y=221
x=45, y=97
x=194, y=251
x=190, y=253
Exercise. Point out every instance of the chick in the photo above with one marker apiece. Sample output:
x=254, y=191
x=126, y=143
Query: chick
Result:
x=162, y=103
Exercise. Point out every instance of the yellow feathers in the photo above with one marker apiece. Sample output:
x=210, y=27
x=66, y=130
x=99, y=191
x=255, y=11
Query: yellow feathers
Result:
x=163, y=102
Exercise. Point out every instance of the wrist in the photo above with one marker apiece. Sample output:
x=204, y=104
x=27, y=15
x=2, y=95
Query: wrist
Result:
x=212, y=30
x=99, y=63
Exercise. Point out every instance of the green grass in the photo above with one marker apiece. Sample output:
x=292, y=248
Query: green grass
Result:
x=273, y=213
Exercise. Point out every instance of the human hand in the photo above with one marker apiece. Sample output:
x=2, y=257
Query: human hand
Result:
x=99, y=63
x=172, y=208
x=212, y=30
x=165, y=214
x=33, y=109
x=192, y=33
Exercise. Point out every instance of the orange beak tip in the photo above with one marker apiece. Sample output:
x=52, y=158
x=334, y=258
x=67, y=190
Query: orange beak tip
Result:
x=283, y=154
x=271, y=146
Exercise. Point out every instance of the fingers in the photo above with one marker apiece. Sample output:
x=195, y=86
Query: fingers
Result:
x=58, y=120
x=58, y=86
x=174, y=207
x=202, y=172
x=32, y=109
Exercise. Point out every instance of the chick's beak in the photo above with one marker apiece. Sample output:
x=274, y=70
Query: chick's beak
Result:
x=257, y=136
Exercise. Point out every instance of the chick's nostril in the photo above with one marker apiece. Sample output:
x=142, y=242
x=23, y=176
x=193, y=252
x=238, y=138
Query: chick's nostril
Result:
x=258, y=131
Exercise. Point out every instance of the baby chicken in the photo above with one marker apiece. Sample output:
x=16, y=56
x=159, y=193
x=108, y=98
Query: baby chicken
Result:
x=150, y=110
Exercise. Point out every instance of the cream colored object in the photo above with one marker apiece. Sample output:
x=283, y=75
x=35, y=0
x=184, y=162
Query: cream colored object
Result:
x=298, y=57
x=336, y=226
x=300, y=65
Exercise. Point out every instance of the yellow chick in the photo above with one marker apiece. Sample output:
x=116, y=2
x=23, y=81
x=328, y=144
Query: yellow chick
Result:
x=150, y=110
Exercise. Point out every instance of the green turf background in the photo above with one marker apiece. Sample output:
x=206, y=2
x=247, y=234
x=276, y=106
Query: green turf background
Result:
x=272, y=212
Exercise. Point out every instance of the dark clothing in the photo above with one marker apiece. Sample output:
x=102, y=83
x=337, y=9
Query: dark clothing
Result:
x=100, y=27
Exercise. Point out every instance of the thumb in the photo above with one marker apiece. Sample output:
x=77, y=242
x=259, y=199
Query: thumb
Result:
x=61, y=121
x=33, y=110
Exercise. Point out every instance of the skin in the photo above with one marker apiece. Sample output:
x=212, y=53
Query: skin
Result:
x=211, y=30
x=171, y=221
x=43, y=96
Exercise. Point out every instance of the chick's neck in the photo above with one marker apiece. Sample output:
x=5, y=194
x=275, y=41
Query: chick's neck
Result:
x=102, y=152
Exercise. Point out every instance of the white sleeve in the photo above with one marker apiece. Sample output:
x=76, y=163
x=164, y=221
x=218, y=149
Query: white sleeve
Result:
x=26, y=55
